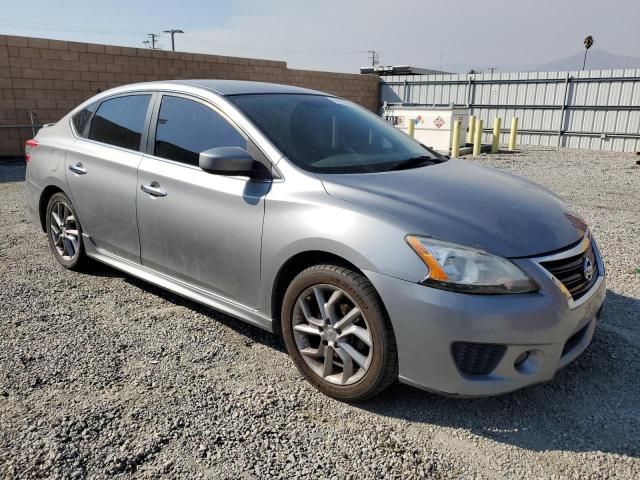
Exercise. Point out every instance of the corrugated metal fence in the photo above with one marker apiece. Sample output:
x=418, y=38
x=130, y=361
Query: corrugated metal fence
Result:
x=595, y=109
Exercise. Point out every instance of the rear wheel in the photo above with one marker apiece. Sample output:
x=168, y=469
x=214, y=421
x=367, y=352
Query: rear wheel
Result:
x=64, y=232
x=337, y=333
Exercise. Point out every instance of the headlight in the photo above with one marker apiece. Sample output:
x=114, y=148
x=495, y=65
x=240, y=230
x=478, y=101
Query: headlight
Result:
x=455, y=267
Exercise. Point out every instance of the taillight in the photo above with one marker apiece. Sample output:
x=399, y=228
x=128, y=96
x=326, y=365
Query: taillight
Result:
x=29, y=146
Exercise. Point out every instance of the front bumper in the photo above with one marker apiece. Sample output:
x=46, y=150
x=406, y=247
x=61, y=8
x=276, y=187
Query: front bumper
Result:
x=427, y=322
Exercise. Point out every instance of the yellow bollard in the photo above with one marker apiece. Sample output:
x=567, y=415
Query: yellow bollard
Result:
x=472, y=126
x=411, y=127
x=496, y=135
x=455, y=141
x=514, y=132
x=477, y=141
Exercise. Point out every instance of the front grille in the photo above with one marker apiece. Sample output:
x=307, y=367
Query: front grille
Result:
x=477, y=358
x=571, y=272
x=574, y=340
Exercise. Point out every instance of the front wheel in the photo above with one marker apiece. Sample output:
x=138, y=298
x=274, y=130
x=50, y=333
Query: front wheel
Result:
x=337, y=333
x=64, y=232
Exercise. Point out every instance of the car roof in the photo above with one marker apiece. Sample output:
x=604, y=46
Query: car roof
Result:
x=242, y=87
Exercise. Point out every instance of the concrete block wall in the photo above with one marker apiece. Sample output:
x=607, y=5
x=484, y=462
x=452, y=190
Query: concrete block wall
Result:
x=47, y=78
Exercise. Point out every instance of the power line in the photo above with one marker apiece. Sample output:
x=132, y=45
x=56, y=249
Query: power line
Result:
x=68, y=28
x=194, y=40
x=199, y=40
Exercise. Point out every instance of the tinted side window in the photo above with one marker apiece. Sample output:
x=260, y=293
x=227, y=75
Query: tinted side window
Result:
x=82, y=118
x=187, y=128
x=120, y=121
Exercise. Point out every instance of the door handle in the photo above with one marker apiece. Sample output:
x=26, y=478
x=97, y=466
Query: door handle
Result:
x=77, y=168
x=153, y=189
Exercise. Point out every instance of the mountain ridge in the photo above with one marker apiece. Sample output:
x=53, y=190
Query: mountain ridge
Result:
x=597, y=59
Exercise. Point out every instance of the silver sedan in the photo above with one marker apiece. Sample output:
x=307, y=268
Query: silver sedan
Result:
x=375, y=258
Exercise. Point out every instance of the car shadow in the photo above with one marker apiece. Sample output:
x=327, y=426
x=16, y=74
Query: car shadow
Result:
x=252, y=332
x=12, y=170
x=590, y=405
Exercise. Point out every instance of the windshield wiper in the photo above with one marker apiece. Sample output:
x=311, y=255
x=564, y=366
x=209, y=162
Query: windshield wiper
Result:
x=414, y=162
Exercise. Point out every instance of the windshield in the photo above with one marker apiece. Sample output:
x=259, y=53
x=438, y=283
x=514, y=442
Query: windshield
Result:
x=330, y=135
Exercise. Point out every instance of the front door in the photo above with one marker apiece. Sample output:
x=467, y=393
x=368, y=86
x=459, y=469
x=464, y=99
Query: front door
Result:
x=196, y=226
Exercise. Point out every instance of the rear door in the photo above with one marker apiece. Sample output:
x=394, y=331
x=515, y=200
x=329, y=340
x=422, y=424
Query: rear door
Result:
x=101, y=171
x=196, y=226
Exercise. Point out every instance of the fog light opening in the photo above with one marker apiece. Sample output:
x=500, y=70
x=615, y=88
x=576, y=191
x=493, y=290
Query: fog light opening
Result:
x=528, y=362
x=521, y=359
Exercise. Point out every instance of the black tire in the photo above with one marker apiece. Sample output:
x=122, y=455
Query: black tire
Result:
x=77, y=261
x=383, y=365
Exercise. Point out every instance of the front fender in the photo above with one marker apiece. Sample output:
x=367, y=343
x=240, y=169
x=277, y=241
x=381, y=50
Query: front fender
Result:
x=320, y=223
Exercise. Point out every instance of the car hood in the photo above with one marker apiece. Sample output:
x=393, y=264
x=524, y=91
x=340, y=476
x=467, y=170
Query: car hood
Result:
x=465, y=203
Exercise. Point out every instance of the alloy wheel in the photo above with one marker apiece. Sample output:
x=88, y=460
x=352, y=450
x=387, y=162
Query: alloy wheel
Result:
x=64, y=231
x=332, y=334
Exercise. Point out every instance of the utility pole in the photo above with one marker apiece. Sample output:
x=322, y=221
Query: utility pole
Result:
x=374, y=57
x=173, y=31
x=151, y=43
x=492, y=69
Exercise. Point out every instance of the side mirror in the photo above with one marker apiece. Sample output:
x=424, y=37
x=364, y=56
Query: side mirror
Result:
x=227, y=161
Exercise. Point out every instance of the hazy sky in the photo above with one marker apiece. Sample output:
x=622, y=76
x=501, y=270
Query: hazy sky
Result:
x=335, y=34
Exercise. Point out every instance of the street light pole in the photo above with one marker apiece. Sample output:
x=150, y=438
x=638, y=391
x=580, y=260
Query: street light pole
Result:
x=588, y=42
x=173, y=32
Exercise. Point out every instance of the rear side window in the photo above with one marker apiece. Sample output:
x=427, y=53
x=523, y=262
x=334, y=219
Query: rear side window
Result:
x=120, y=121
x=82, y=118
x=186, y=128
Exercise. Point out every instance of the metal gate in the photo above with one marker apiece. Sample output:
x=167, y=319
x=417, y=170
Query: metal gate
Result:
x=595, y=109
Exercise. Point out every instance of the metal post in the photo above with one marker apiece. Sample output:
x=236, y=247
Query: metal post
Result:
x=563, y=108
x=477, y=143
x=514, y=132
x=411, y=127
x=472, y=118
x=33, y=128
x=472, y=126
x=496, y=135
x=455, y=141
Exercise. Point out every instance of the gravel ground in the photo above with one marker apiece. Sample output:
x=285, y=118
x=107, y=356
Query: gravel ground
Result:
x=102, y=375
